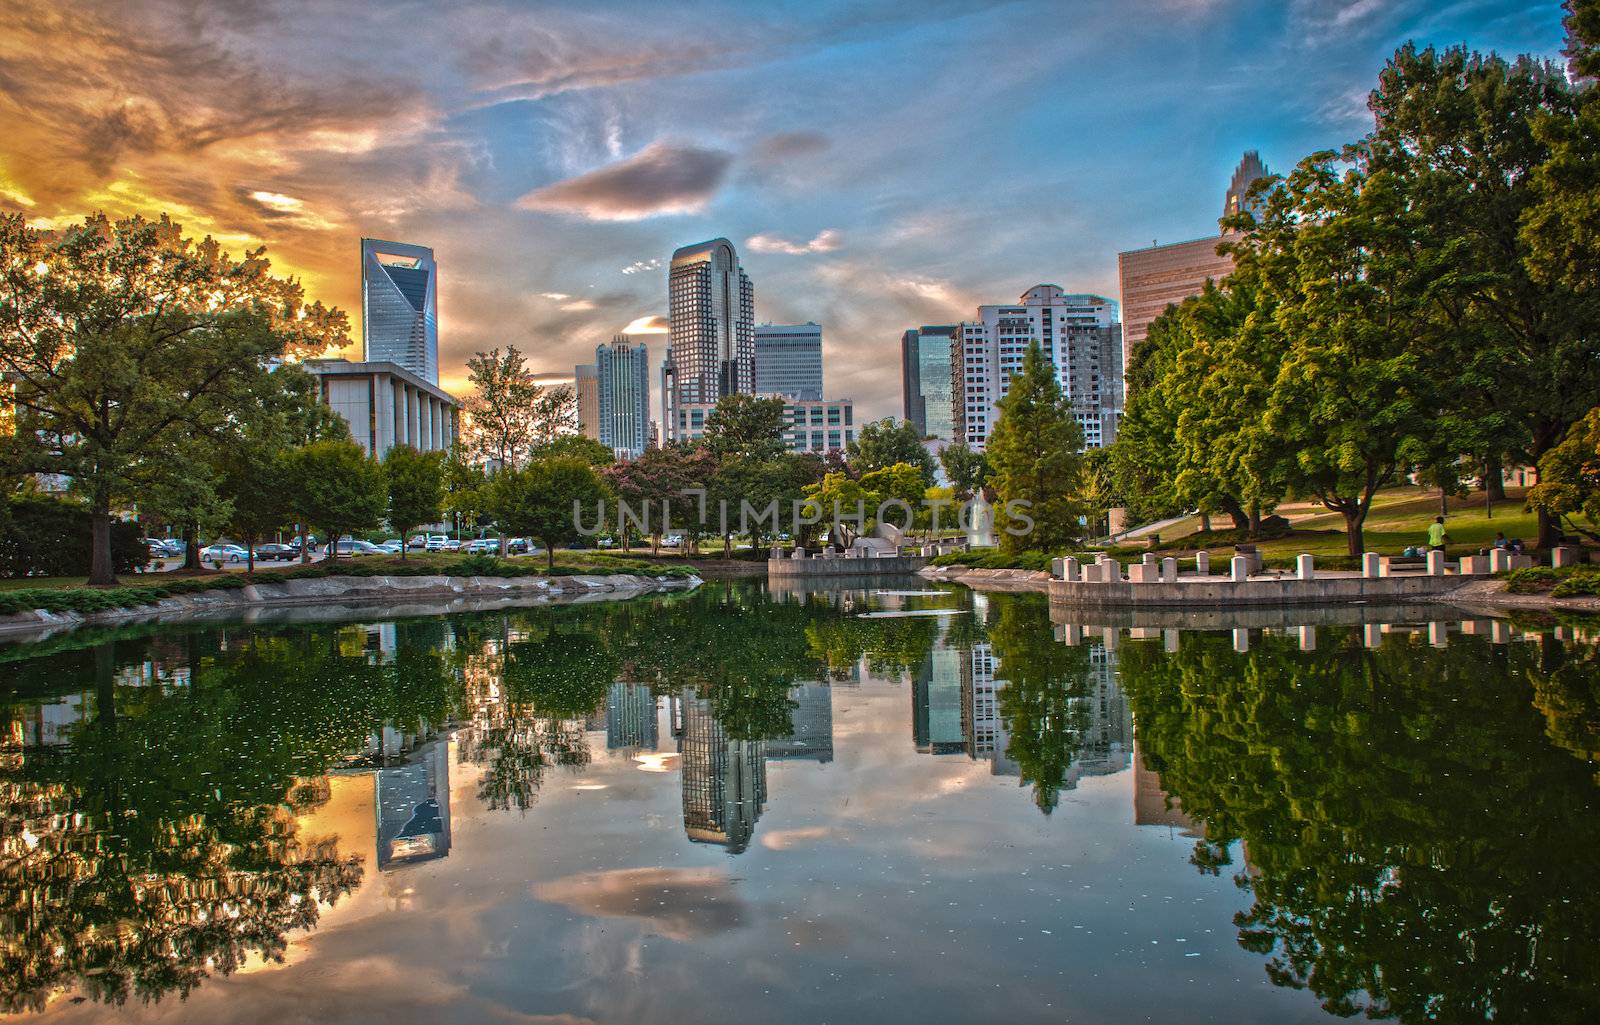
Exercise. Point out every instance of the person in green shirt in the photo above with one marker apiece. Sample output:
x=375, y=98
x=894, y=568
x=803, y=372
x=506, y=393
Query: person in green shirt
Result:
x=1436, y=535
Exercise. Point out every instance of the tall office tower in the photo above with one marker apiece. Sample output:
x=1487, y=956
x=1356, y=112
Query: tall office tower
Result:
x=925, y=376
x=1250, y=168
x=1160, y=276
x=724, y=780
x=711, y=345
x=810, y=726
x=586, y=387
x=936, y=698
x=624, y=377
x=630, y=716
x=1080, y=337
x=400, y=306
x=789, y=360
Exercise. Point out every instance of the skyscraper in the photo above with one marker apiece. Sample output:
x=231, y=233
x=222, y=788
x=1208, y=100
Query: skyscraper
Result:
x=1153, y=279
x=623, y=369
x=724, y=780
x=586, y=388
x=789, y=360
x=711, y=345
x=400, y=306
x=925, y=375
x=1080, y=337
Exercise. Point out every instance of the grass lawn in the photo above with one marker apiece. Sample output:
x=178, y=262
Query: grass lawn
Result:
x=1399, y=518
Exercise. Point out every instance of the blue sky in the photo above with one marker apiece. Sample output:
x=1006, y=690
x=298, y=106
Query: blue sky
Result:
x=878, y=165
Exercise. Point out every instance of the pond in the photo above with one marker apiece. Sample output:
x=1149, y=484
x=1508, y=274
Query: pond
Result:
x=898, y=804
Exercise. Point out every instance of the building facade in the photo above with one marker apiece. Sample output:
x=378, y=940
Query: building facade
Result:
x=586, y=389
x=386, y=405
x=400, y=306
x=623, y=369
x=1080, y=337
x=711, y=347
x=789, y=360
x=1154, y=278
x=819, y=427
x=926, y=376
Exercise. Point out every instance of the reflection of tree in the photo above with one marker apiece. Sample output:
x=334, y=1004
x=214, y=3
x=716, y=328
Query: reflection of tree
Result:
x=891, y=645
x=1566, y=689
x=160, y=844
x=1042, y=701
x=1417, y=848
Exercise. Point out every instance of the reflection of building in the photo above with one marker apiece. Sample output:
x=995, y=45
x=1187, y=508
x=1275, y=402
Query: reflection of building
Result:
x=936, y=700
x=925, y=379
x=1151, y=804
x=724, y=780
x=630, y=717
x=980, y=710
x=789, y=360
x=1107, y=738
x=812, y=722
x=400, y=307
x=413, y=801
x=1079, y=336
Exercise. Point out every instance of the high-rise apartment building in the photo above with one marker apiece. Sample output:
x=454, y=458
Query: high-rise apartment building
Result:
x=586, y=388
x=1160, y=276
x=400, y=306
x=925, y=375
x=820, y=427
x=623, y=369
x=711, y=348
x=789, y=360
x=1080, y=337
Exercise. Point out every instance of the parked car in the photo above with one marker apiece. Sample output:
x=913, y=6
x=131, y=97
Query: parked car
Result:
x=274, y=552
x=391, y=546
x=672, y=541
x=483, y=546
x=419, y=541
x=452, y=545
x=357, y=548
x=519, y=546
x=164, y=548
x=606, y=541
x=436, y=542
x=223, y=553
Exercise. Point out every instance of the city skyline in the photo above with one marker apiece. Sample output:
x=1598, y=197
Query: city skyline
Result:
x=553, y=160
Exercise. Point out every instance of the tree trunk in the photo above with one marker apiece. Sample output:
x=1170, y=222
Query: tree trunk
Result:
x=1444, y=501
x=1255, y=518
x=191, y=547
x=1494, y=484
x=250, y=555
x=101, y=571
x=305, y=549
x=550, y=556
x=1549, y=530
x=1205, y=523
x=1236, y=513
x=1355, y=544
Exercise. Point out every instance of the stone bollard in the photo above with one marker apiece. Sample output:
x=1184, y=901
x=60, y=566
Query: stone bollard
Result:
x=1072, y=635
x=1370, y=564
x=1057, y=568
x=1499, y=560
x=1499, y=632
x=1473, y=565
x=1565, y=555
x=1110, y=570
x=1169, y=570
x=1148, y=558
x=1070, y=570
x=1202, y=563
x=1439, y=634
x=1144, y=573
x=1241, y=568
x=1435, y=563
x=1241, y=636
x=1169, y=640
x=799, y=553
x=1372, y=635
x=1305, y=566
x=1109, y=637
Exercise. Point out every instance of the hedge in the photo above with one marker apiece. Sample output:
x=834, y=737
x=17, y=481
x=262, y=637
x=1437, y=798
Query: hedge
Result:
x=42, y=536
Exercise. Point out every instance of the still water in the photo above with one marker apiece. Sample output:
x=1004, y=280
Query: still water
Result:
x=826, y=807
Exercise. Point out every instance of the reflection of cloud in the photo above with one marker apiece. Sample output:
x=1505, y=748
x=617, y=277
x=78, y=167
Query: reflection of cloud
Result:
x=784, y=839
x=678, y=903
x=826, y=241
x=662, y=178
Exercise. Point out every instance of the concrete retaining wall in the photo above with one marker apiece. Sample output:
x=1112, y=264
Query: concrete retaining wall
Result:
x=897, y=565
x=1224, y=592
x=411, y=593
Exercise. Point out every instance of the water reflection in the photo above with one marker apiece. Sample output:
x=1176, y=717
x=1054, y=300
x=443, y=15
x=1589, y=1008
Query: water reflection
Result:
x=1409, y=801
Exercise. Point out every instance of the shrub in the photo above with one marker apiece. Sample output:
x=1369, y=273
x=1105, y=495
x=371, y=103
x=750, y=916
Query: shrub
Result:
x=41, y=536
x=1534, y=580
x=1582, y=582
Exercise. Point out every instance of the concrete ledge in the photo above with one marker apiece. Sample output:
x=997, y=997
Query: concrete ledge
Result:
x=1224, y=592
x=895, y=565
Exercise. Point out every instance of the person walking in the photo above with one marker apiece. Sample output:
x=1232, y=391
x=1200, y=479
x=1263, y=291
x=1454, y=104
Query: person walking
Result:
x=1436, y=535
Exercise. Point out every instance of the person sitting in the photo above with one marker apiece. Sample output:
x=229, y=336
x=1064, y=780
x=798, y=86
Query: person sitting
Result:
x=1515, y=546
x=1500, y=539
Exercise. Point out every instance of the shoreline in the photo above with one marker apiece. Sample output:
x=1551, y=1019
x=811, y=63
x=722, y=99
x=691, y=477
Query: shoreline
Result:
x=394, y=592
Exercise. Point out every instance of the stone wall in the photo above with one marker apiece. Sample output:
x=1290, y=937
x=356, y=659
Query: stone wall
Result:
x=895, y=565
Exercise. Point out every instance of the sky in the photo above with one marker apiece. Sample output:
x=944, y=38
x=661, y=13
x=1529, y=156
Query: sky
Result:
x=878, y=165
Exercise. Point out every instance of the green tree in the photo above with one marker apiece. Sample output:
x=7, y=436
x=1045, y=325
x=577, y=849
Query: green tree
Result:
x=123, y=338
x=545, y=499
x=745, y=426
x=577, y=445
x=902, y=482
x=966, y=469
x=1036, y=450
x=1569, y=478
x=835, y=500
x=415, y=484
x=464, y=486
x=337, y=487
x=509, y=413
x=1044, y=701
x=883, y=443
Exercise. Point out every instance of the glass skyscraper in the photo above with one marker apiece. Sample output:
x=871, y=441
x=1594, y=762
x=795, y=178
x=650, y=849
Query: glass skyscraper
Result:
x=623, y=370
x=789, y=361
x=926, y=373
x=711, y=346
x=400, y=306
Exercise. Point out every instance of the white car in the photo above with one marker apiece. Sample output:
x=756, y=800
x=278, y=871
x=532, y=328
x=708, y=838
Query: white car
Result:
x=223, y=553
x=483, y=546
x=672, y=541
x=436, y=542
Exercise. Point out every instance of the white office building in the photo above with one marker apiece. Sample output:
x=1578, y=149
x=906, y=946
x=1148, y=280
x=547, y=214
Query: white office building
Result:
x=1080, y=337
x=623, y=370
x=386, y=405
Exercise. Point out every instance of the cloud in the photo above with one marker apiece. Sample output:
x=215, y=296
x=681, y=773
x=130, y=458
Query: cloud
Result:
x=641, y=266
x=654, y=324
x=663, y=178
x=826, y=241
x=790, y=145
x=678, y=903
